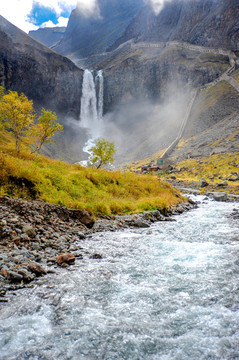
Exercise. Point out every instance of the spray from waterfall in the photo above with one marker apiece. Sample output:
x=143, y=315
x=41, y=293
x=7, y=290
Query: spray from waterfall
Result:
x=92, y=107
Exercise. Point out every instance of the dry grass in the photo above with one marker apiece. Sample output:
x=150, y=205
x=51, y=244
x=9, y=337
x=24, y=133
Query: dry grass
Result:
x=74, y=186
x=213, y=169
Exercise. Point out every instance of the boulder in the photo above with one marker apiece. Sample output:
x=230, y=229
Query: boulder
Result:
x=37, y=269
x=220, y=196
x=140, y=223
x=204, y=183
x=14, y=276
x=84, y=217
x=222, y=184
x=66, y=258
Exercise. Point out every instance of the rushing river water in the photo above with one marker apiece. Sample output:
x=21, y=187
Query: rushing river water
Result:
x=164, y=293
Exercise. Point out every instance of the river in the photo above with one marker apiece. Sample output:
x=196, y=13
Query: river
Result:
x=170, y=292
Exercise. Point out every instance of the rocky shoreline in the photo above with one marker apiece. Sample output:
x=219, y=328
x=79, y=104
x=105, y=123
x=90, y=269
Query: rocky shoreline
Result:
x=222, y=192
x=37, y=238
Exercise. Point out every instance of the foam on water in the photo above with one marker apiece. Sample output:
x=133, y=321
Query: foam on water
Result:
x=168, y=293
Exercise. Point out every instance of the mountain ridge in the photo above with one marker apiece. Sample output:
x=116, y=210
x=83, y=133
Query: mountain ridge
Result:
x=201, y=22
x=28, y=66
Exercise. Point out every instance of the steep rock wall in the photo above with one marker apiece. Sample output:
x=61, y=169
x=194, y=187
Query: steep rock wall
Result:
x=46, y=77
x=212, y=23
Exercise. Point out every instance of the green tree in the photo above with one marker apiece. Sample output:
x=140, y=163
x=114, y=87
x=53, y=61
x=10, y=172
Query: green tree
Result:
x=43, y=130
x=102, y=153
x=16, y=114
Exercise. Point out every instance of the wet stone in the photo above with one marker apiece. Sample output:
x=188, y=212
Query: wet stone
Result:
x=37, y=269
x=67, y=258
x=14, y=276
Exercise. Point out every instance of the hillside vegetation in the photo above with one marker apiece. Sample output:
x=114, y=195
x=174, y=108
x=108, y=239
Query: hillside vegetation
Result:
x=216, y=169
x=98, y=191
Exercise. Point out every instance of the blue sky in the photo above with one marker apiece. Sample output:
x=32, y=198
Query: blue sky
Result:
x=32, y=14
x=41, y=15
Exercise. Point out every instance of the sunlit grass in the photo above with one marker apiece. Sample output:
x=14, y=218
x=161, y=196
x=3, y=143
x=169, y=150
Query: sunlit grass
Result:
x=214, y=169
x=98, y=191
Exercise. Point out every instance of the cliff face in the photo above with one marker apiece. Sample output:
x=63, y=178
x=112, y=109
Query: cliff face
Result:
x=48, y=36
x=47, y=78
x=87, y=35
x=140, y=70
x=212, y=23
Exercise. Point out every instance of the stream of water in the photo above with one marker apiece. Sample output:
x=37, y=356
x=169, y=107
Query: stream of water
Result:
x=170, y=292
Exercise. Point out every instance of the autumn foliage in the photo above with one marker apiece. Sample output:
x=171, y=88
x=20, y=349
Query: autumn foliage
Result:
x=17, y=116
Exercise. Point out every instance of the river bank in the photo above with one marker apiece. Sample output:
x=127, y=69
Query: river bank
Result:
x=37, y=238
x=221, y=193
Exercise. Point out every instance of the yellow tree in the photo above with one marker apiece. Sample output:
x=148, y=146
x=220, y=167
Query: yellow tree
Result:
x=102, y=153
x=16, y=114
x=43, y=130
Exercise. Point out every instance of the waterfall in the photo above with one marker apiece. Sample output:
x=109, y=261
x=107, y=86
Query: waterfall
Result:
x=100, y=79
x=92, y=107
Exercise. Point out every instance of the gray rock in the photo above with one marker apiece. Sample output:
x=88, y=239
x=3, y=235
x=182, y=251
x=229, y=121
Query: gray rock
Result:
x=222, y=184
x=18, y=259
x=14, y=276
x=27, y=276
x=140, y=223
x=204, y=183
x=220, y=196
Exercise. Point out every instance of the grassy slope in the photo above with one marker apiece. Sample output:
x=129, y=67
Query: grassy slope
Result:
x=214, y=169
x=98, y=191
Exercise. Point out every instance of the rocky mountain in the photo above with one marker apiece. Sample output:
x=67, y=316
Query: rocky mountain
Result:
x=48, y=36
x=189, y=46
x=88, y=34
x=212, y=23
x=152, y=67
x=46, y=77
x=148, y=88
x=49, y=79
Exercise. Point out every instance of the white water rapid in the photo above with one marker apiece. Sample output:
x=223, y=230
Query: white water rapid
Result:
x=92, y=107
x=165, y=293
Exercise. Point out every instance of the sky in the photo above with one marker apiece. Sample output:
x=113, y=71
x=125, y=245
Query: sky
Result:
x=32, y=14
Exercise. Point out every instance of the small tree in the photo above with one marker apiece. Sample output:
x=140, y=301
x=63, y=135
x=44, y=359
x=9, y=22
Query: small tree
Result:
x=102, y=153
x=43, y=130
x=16, y=114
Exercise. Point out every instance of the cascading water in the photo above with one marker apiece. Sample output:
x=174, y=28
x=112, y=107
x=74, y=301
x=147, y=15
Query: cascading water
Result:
x=92, y=107
x=100, y=79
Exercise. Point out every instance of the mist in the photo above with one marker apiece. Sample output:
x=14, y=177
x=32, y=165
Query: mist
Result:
x=142, y=128
x=89, y=8
x=157, y=5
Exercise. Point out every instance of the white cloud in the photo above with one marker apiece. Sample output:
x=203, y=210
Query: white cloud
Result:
x=89, y=8
x=157, y=5
x=17, y=11
x=61, y=22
